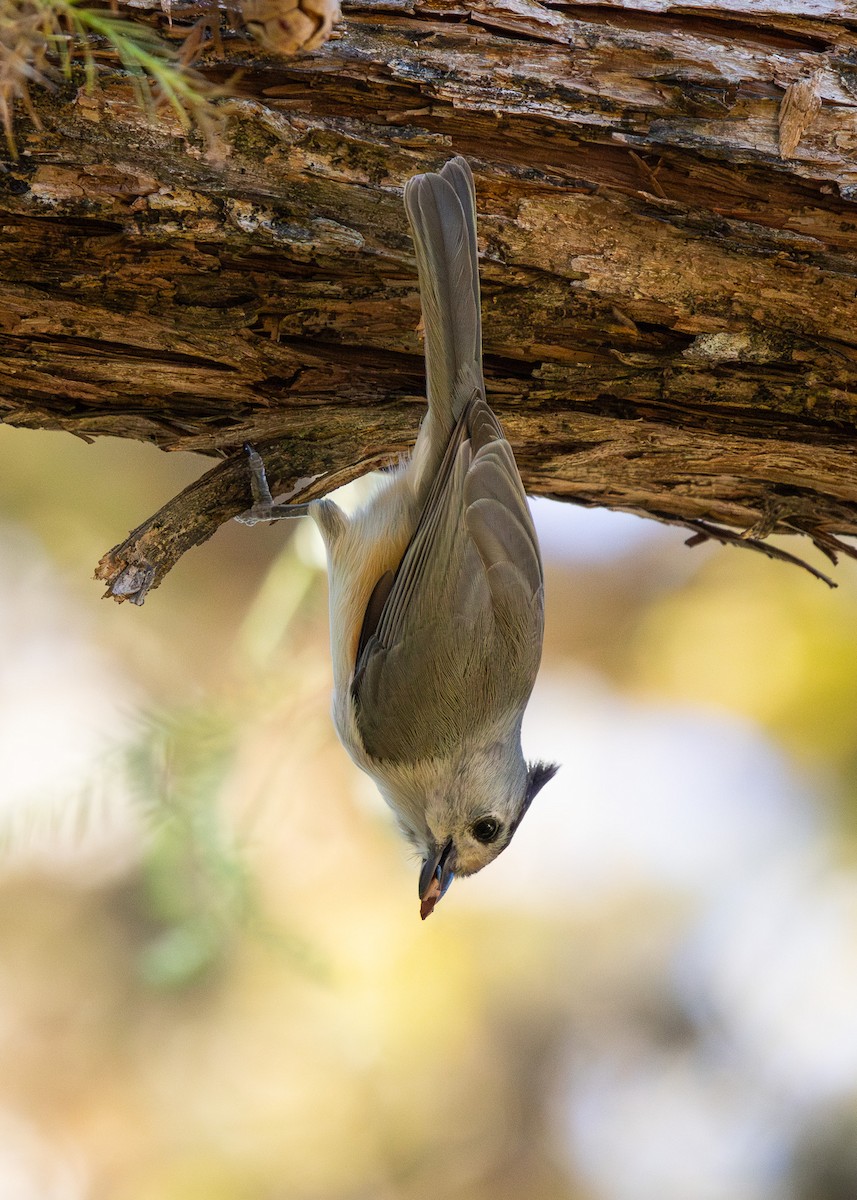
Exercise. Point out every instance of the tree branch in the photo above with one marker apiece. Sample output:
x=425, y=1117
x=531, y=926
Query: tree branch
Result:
x=140, y=563
x=668, y=252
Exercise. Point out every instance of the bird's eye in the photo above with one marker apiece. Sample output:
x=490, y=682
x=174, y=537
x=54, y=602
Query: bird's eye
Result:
x=486, y=830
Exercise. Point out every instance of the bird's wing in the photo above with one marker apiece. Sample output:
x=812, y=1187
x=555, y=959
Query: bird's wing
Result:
x=456, y=645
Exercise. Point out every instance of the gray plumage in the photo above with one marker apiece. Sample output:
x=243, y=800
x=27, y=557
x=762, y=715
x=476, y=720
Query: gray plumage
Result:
x=436, y=585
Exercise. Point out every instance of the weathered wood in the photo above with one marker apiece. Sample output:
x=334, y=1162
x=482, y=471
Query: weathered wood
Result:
x=669, y=256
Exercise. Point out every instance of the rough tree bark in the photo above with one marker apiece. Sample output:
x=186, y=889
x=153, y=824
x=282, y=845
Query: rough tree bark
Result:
x=668, y=226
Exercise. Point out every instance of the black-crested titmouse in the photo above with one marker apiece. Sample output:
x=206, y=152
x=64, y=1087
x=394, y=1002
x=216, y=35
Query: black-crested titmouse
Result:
x=436, y=585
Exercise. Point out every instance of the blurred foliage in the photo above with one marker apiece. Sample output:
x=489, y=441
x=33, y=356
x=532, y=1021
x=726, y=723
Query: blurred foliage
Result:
x=196, y=883
x=197, y=879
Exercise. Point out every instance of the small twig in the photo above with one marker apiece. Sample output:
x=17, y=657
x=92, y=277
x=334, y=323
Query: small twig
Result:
x=704, y=531
x=826, y=542
x=650, y=174
x=798, y=514
x=140, y=563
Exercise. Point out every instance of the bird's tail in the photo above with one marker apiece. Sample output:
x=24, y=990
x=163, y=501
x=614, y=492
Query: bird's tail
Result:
x=442, y=212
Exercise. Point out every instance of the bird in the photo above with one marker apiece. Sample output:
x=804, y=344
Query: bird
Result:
x=437, y=585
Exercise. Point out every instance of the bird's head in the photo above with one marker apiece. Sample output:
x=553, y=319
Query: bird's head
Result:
x=474, y=822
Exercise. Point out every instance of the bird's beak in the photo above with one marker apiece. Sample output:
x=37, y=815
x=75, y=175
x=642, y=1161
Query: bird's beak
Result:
x=436, y=876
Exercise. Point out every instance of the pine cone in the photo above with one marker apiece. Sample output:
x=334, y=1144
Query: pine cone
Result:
x=287, y=26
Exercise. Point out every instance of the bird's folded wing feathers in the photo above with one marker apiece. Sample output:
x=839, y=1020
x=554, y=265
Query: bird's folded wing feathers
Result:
x=465, y=606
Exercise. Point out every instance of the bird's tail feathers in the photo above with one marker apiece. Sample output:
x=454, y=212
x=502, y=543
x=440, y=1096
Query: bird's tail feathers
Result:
x=442, y=212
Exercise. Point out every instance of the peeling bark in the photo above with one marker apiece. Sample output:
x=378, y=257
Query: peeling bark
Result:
x=668, y=236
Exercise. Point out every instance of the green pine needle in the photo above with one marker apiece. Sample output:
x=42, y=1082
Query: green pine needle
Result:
x=39, y=40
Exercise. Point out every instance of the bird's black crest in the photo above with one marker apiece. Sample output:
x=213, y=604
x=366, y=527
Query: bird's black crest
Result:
x=538, y=774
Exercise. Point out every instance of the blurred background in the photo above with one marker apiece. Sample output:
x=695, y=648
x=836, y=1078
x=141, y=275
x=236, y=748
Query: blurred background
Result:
x=214, y=983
